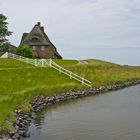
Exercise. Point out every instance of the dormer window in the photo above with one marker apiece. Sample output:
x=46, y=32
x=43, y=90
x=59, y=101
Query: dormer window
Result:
x=35, y=39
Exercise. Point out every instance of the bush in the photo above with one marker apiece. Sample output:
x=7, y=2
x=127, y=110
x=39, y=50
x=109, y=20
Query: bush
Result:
x=25, y=51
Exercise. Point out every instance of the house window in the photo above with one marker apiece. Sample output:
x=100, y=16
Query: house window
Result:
x=42, y=48
x=35, y=39
x=34, y=48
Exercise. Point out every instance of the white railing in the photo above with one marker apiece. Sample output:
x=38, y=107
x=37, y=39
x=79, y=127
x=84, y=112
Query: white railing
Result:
x=35, y=62
x=50, y=63
x=5, y=55
x=69, y=73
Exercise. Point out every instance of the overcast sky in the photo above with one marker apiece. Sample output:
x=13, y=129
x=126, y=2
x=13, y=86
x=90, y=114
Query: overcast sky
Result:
x=81, y=29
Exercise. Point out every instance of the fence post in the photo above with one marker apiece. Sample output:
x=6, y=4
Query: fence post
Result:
x=35, y=62
x=50, y=62
x=42, y=62
x=59, y=69
x=82, y=81
x=27, y=60
x=70, y=75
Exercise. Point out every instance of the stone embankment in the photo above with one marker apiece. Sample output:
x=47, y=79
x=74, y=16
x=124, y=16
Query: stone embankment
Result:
x=38, y=103
x=21, y=126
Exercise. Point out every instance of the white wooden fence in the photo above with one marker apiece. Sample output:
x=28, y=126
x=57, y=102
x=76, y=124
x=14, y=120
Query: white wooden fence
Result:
x=50, y=63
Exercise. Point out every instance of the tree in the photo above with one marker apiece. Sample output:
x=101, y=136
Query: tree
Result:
x=5, y=47
x=25, y=51
x=4, y=32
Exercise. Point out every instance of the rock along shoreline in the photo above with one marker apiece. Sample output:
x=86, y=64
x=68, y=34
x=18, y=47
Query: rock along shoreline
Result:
x=38, y=103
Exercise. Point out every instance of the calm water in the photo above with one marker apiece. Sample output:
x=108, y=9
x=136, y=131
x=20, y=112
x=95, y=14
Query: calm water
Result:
x=111, y=116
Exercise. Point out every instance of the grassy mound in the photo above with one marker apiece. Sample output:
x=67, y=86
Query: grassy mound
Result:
x=20, y=81
x=102, y=73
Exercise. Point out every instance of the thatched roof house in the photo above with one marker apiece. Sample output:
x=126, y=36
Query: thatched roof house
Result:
x=40, y=43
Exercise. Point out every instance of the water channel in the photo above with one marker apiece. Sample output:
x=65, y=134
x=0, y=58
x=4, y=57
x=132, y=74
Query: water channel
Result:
x=110, y=116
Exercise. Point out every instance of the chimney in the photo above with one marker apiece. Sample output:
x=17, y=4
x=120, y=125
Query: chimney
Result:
x=38, y=23
x=42, y=28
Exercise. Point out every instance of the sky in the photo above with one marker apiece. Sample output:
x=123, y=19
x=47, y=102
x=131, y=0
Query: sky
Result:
x=81, y=29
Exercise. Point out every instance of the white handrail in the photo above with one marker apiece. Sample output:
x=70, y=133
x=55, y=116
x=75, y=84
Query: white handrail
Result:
x=70, y=72
x=51, y=63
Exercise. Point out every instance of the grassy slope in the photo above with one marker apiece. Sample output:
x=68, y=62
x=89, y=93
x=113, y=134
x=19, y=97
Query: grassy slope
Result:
x=102, y=73
x=18, y=85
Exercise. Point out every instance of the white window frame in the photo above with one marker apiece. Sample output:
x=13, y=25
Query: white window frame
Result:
x=42, y=48
x=34, y=48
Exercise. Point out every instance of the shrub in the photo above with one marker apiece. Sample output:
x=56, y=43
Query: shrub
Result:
x=25, y=51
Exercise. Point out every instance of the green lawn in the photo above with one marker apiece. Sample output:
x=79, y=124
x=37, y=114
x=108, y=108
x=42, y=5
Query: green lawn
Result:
x=10, y=63
x=21, y=81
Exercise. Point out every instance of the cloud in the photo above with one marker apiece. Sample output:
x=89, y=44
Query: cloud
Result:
x=74, y=24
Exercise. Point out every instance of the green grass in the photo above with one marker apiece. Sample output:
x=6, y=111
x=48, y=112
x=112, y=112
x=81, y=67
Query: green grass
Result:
x=10, y=63
x=102, y=73
x=21, y=81
x=1, y=53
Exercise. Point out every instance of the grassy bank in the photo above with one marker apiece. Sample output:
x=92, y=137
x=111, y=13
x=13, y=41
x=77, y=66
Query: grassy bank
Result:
x=102, y=73
x=20, y=81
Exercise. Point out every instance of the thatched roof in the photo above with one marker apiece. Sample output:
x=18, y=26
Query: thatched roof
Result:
x=37, y=37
